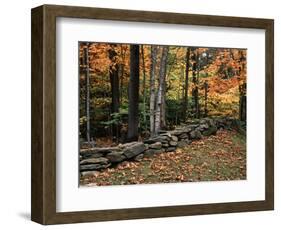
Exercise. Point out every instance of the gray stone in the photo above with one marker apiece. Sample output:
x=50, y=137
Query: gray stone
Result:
x=162, y=131
x=208, y=120
x=170, y=149
x=211, y=122
x=166, y=134
x=156, y=139
x=173, y=143
x=149, y=152
x=162, y=139
x=90, y=173
x=156, y=145
x=183, y=136
x=134, y=149
x=91, y=167
x=203, y=127
x=187, y=129
x=91, y=151
x=174, y=138
x=176, y=132
x=91, y=155
x=129, y=144
x=107, y=149
x=165, y=145
x=100, y=160
x=203, y=121
x=192, y=127
x=146, y=146
x=195, y=135
x=211, y=131
x=139, y=157
x=115, y=157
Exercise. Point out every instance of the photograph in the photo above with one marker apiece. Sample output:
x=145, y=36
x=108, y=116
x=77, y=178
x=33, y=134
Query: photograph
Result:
x=151, y=114
x=140, y=114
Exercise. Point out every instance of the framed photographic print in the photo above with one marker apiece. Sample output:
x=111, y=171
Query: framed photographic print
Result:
x=139, y=114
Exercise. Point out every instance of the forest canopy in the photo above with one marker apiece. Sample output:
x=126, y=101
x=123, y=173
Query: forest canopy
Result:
x=130, y=92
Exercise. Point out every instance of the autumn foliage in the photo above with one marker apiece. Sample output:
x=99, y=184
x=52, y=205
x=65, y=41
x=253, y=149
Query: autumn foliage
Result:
x=131, y=92
x=213, y=88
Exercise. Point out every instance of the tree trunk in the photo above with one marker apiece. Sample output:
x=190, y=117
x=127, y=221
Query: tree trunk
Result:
x=195, y=88
x=114, y=82
x=160, y=89
x=206, y=97
x=144, y=88
x=133, y=119
x=86, y=61
x=243, y=103
x=243, y=108
x=152, y=89
x=163, y=123
x=122, y=68
x=185, y=103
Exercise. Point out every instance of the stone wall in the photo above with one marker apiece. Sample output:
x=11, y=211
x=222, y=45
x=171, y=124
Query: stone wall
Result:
x=95, y=159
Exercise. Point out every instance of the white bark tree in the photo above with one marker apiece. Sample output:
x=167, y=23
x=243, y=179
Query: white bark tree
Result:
x=160, y=93
x=152, y=89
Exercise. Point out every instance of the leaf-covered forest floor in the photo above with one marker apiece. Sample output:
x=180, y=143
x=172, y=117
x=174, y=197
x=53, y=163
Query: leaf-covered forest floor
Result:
x=213, y=158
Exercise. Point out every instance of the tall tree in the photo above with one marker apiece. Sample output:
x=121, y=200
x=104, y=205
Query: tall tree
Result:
x=206, y=98
x=133, y=119
x=144, y=87
x=152, y=89
x=185, y=101
x=195, y=83
x=122, y=70
x=163, y=123
x=242, y=89
x=114, y=82
x=160, y=92
x=87, y=73
x=242, y=103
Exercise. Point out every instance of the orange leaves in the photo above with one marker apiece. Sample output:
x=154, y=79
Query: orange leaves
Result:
x=99, y=59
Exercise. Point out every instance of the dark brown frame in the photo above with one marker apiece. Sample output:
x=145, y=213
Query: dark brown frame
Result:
x=43, y=188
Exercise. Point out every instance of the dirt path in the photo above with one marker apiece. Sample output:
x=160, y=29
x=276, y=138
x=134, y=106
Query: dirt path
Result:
x=220, y=157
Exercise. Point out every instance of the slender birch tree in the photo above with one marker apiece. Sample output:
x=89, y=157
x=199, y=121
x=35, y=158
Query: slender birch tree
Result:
x=160, y=92
x=154, y=50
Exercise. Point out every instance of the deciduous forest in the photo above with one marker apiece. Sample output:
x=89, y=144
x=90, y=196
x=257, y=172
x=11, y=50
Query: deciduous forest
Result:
x=157, y=114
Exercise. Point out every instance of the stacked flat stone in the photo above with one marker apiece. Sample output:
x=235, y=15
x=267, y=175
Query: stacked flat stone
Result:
x=96, y=159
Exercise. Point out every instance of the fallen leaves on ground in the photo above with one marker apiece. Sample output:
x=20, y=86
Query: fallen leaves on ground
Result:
x=213, y=158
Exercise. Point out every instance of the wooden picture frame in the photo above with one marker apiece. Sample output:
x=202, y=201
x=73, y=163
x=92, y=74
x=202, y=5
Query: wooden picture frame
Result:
x=43, y=208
